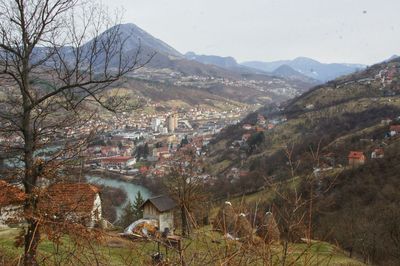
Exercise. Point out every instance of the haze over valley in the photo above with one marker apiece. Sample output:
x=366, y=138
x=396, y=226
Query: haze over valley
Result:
x=215, y=133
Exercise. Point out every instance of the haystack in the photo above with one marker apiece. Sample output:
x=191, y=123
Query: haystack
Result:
x=226, y=219
x=243, y=227
x=269, y=230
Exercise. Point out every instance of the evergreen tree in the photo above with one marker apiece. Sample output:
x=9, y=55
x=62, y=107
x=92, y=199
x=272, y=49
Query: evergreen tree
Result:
x=146, y=150
x=138, y=212
x=128, y=215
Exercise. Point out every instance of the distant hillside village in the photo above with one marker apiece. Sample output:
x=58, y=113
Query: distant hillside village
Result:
x=253, y=136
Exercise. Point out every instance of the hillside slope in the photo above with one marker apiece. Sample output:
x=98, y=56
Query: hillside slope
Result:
x=310, y=138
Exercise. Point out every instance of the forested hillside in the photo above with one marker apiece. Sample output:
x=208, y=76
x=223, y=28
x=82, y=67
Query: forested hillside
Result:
x=313, y=139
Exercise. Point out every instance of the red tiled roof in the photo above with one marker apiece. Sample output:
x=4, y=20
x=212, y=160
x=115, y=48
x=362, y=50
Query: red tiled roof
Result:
x=10, y=195
x=117, y=159
x=395, y=128
x=68, y=198
x=143, y=169
x=356, y=155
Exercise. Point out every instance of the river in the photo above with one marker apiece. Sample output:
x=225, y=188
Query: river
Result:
x=130, y=189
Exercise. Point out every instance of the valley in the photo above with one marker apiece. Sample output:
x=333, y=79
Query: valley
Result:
x=120, y=148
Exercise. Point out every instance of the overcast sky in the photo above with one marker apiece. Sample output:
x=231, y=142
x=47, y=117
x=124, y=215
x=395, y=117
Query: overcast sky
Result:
x=350, y=31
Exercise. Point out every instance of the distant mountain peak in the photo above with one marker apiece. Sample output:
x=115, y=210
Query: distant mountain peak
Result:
x=285, y=71
x=393, y=57
x=225, y=62
x=302, y=59
x=138, y=37
x=308, y=67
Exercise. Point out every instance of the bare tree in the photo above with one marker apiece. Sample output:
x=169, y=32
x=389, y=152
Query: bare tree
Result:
x=187, y=187
x=55, y=68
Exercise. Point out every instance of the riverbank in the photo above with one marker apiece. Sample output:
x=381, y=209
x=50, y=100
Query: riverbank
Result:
x=153, y=185
x=129, y=188
x=112, y=175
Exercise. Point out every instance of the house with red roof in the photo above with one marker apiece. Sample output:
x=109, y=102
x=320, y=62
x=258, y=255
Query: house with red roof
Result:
x=394, y=130
x=162, y=152
x=143, y=169
x=73, y=202
x=12, y=199
x=118, y=162
x=356, y=158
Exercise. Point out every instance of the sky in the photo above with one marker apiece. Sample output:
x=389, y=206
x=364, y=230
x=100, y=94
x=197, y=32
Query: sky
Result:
x=341, y=31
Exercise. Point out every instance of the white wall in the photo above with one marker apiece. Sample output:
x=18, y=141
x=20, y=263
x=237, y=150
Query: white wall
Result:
x=95, y=215
x=13, y=213
x=166, y=221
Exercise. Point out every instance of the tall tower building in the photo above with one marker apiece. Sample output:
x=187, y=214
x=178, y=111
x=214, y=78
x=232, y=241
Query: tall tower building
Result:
x=155, y=123
x=172, y=122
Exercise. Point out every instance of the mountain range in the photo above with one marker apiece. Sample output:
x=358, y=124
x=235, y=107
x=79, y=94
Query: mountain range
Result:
x=308, y=67
x=192, y=63
x=215, y=76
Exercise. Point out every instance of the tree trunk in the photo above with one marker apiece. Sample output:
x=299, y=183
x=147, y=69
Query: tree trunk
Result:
x=32, y=236
x=32, y=239
x=184, y=220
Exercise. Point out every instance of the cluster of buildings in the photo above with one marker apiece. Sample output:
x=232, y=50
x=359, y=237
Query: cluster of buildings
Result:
x=274, y=85
x=387, y=75
x=262, y=124
x=357, y=158
x=169, y=125
x=148, y=147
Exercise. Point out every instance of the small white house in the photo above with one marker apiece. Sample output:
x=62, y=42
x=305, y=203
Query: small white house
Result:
x=11, y=204
x=161, y=209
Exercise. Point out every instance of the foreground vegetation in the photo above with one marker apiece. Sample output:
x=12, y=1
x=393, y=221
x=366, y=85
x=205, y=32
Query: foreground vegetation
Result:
x=356, y=207
x=205, y=247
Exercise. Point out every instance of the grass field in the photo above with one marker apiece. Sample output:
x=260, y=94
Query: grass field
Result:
x=205, y=247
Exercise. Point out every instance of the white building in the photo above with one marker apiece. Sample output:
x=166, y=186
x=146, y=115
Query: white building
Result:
x=11, y=204
x=155, y=123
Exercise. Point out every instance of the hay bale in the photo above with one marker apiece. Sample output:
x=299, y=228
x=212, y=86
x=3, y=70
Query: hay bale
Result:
x=269, y=230
x=243, y=227
x=226, y=218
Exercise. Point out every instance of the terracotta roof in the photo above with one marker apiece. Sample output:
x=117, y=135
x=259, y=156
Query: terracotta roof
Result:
x=356, y=155
x=162, y=203
x=117, y=159
x=68, y=198
x=395, y=128
x=10, y=195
